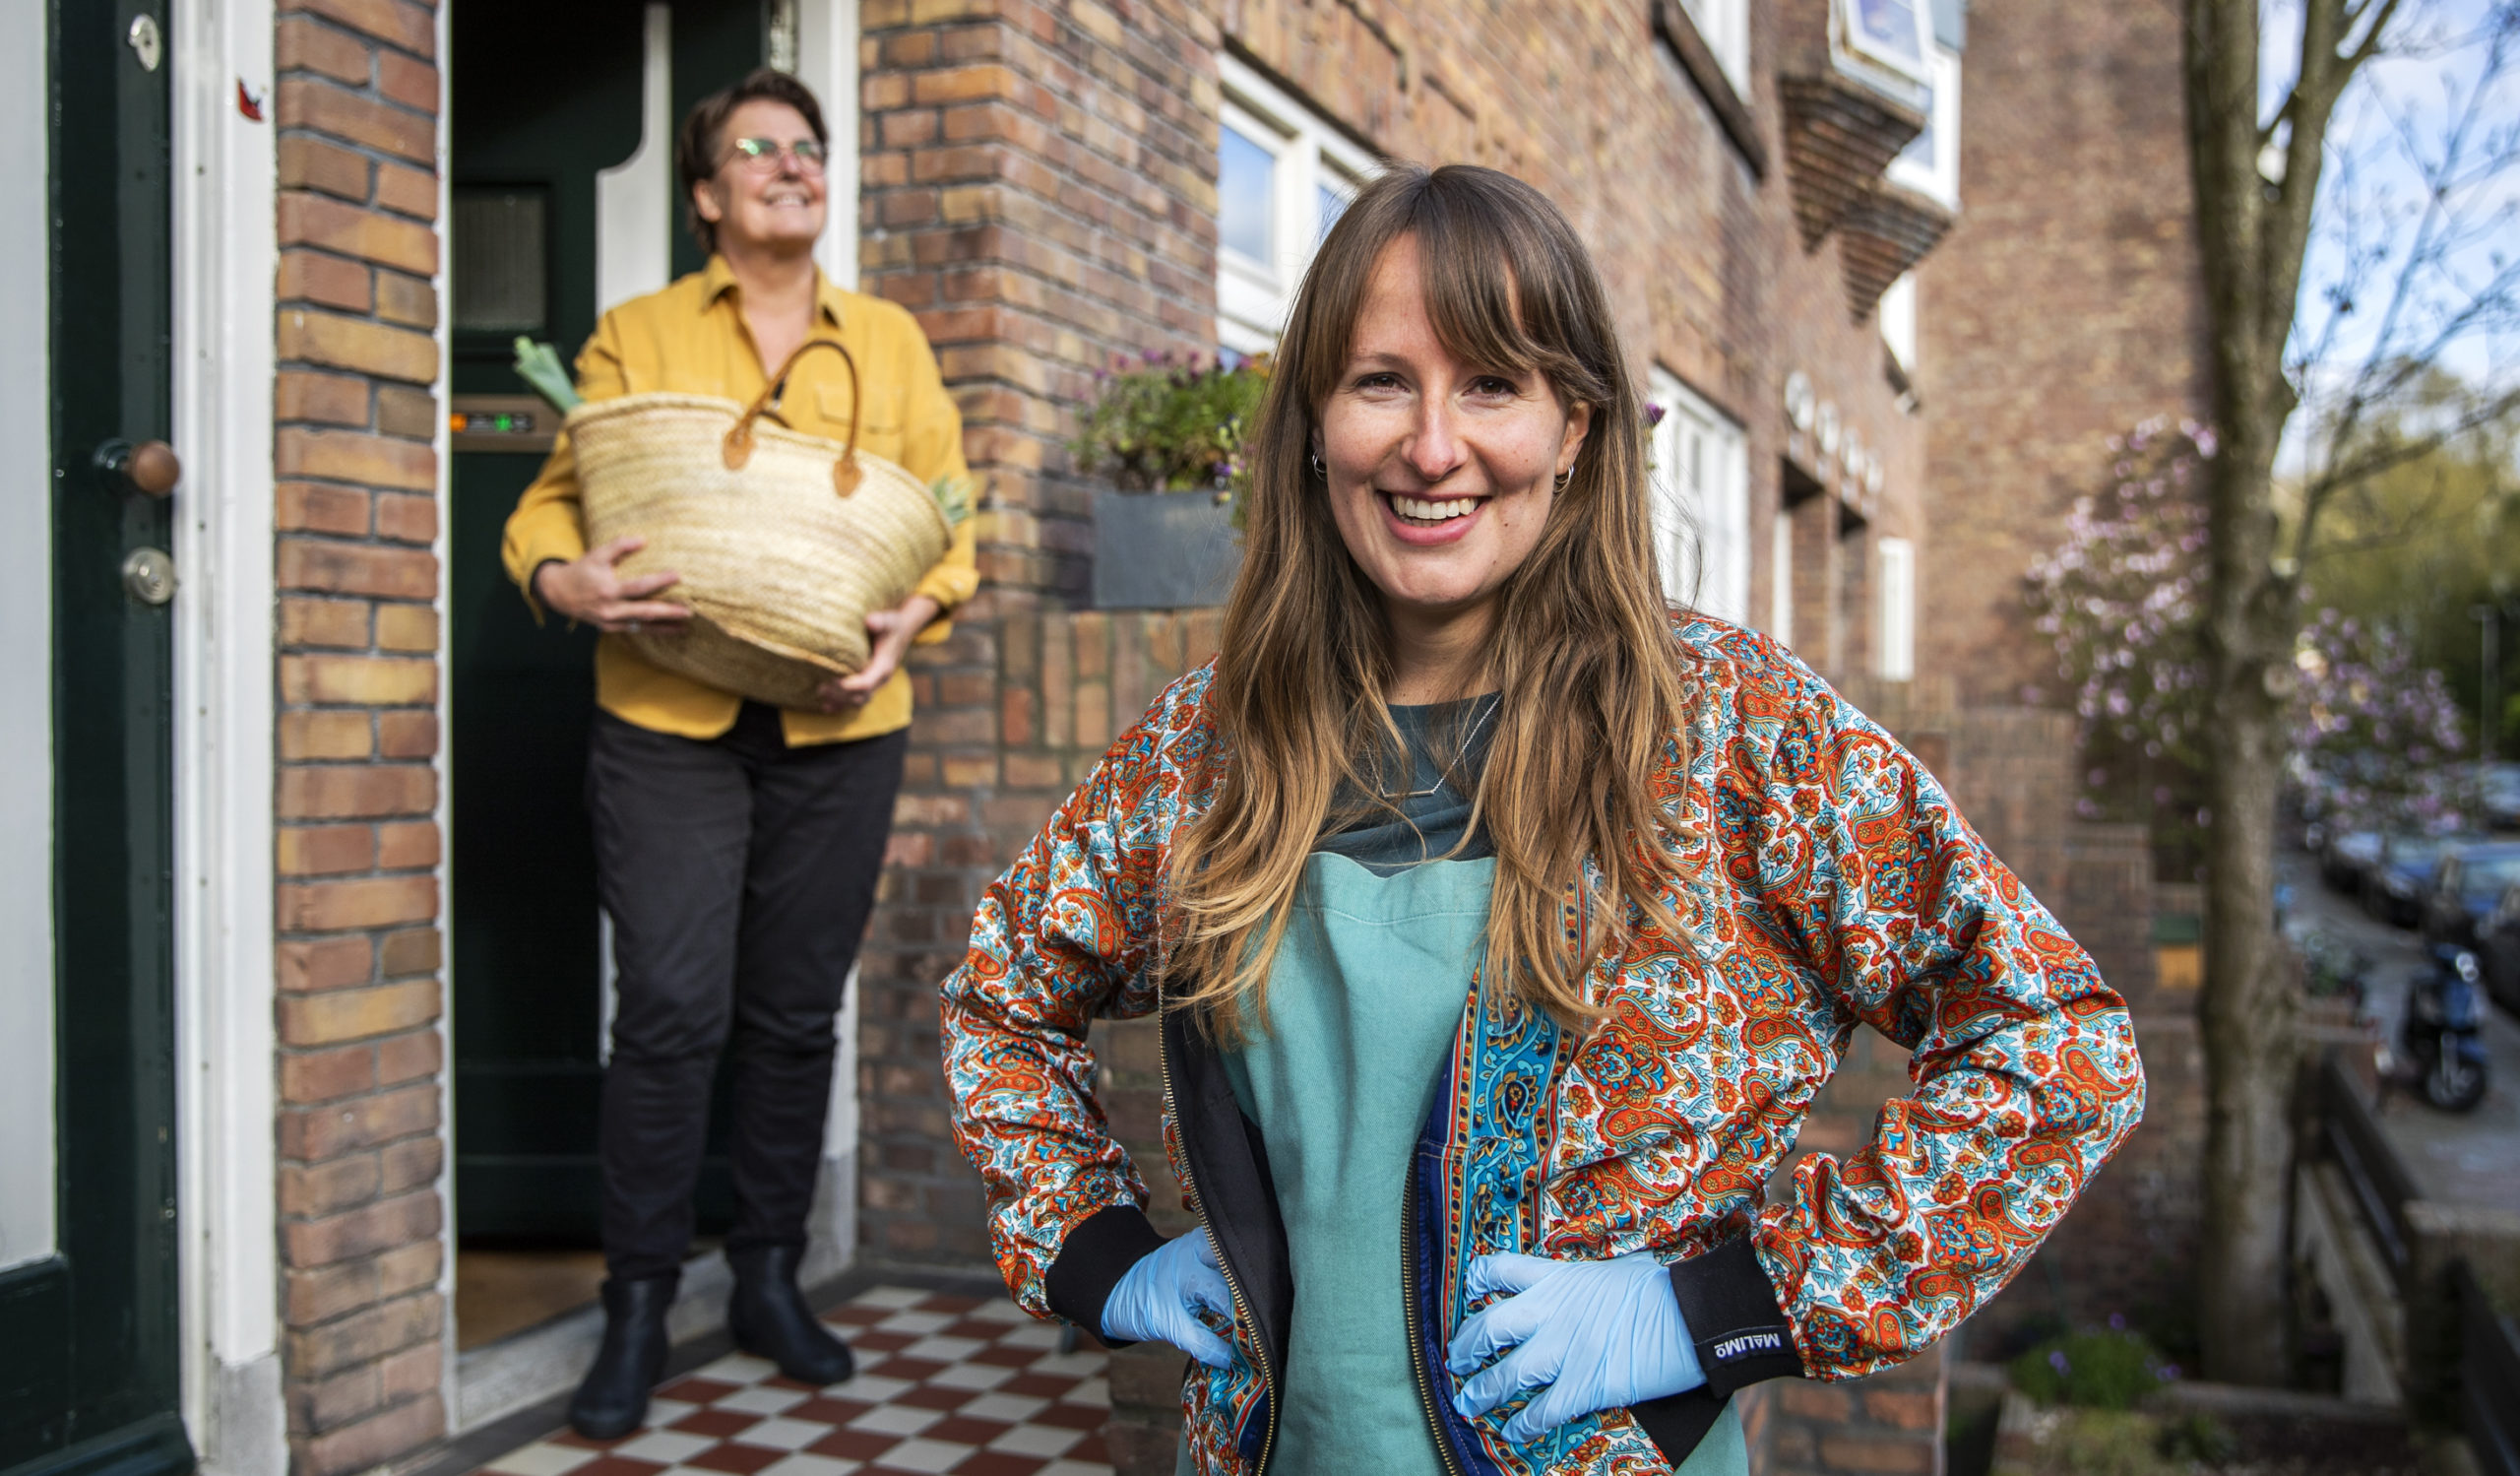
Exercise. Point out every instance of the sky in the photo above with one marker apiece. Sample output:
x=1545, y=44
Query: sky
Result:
x=2387, y=143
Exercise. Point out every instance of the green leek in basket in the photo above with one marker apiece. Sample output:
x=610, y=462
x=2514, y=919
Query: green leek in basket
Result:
x=541, y=368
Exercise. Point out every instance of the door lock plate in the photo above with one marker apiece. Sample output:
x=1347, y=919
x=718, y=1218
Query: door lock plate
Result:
x=149, y=576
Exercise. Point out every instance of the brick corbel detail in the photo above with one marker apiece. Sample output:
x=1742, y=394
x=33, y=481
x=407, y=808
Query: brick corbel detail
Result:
x=1840, y=136
x=1886, y=232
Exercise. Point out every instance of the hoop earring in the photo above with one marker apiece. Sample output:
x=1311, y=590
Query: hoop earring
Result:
x=1320, y=467
x=1564, y=477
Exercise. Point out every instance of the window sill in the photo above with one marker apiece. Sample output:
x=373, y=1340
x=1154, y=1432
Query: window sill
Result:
x=1680, y=34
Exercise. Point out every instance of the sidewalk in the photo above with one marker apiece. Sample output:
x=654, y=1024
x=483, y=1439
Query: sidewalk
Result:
x=944, y=1383
x=2471, y=1158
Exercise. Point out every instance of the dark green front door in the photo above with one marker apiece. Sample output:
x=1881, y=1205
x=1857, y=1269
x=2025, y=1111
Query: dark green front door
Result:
x=89, y=1336
x=529, y=139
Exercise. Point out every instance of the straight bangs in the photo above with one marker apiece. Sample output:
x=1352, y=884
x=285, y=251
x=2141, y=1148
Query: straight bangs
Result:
x=1476, y=256
x=1590, y=703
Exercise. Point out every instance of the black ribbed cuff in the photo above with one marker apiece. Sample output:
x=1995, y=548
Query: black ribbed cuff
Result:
x=1093, y=1259
x=1733, y=1318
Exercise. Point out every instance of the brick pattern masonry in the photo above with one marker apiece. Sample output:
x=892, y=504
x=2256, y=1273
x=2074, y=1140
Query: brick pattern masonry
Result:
x=357, y=841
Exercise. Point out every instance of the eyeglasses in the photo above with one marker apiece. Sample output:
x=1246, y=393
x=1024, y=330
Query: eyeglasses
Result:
x=761, y=156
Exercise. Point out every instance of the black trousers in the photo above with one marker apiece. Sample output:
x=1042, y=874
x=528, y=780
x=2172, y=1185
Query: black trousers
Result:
x=738, y=872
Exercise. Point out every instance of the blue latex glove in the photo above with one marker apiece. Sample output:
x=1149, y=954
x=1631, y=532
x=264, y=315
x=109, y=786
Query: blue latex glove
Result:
x=1582, y=1335
x=1160, y=1299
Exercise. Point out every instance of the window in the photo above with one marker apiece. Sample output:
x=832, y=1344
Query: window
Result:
x=1930, y=164
x=1895, y=647
x=1898, y=314
x=1701, y=503
x=1889, y=33
x=1282, y=177
x=1725, y=26
x=501, y=272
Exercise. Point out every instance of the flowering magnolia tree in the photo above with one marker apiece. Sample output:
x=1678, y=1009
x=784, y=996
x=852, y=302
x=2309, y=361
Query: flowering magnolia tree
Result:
x=2372, y=735
x=2119, y=597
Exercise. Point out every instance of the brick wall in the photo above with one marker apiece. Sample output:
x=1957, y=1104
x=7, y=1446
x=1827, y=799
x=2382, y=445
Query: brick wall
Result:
x=1039, y=184
x=357, y=844
x=2065, y=305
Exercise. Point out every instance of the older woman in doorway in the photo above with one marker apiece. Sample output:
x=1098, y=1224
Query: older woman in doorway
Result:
x=1504, y=924
x=736, y=846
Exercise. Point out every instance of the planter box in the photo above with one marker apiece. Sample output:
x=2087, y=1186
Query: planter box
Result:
x=1163, y=550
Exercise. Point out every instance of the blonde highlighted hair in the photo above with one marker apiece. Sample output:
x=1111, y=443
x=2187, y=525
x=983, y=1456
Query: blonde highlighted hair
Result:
x=1581, y=654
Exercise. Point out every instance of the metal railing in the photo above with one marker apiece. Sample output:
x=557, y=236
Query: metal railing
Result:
x=2381, y=1183
x=2489, y=1380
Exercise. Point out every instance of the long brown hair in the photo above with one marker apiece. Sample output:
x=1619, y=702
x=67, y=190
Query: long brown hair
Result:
x=1590, y=683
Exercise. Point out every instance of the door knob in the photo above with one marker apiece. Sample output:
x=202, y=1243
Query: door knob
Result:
x=150, y=467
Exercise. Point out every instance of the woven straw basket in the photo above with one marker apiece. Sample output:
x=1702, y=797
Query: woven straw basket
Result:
x=784, y=540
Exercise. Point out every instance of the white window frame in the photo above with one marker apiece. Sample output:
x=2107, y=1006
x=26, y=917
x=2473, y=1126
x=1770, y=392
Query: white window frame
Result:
x=1897, y=314
x=1725, y=26
x=1937, y=171
x=1856, y=50
x=1895, y=646
x=1701, y=502
x=1255, y=295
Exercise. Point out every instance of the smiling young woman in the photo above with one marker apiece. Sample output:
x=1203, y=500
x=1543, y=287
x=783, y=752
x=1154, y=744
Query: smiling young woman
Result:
x=1504, y=924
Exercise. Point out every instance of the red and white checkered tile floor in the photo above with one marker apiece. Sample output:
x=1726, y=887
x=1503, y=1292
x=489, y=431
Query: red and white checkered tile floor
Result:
x=944, y=1383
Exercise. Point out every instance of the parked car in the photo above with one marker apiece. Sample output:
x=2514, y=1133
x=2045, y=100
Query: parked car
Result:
x=2498, y=949
x=2393, y=891
x=2498, y=787
x=2467, y=887
x=2346, y=859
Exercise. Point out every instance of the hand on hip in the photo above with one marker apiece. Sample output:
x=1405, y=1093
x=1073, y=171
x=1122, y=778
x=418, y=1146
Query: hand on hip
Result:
x=1159, y=1300
x=1576, y=1335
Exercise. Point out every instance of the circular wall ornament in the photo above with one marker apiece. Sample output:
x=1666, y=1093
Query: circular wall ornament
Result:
x=1798, y=400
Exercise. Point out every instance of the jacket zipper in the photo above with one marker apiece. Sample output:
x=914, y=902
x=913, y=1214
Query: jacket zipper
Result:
x=1409, y=1314
x=1225, y=1263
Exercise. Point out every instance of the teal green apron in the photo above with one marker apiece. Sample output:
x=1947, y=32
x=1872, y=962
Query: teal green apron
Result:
x=1364, y=998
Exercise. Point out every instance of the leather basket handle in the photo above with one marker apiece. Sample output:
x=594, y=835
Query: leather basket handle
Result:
x=844, y=472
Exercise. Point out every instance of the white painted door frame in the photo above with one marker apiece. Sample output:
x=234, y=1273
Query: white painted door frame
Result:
x=225, y=257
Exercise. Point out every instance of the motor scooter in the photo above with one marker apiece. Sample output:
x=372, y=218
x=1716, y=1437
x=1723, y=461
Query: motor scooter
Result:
x=2443, y=1032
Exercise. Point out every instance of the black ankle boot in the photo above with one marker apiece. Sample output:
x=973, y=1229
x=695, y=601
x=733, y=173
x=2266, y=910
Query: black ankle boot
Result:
x=770, y=1319
x=614, y=1399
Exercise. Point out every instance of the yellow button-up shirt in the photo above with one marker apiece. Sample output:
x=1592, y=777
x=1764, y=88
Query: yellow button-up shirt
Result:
x=691, y=338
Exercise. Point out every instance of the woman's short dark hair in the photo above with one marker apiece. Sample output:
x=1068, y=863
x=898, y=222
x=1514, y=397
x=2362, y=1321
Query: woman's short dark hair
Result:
x=698, y=149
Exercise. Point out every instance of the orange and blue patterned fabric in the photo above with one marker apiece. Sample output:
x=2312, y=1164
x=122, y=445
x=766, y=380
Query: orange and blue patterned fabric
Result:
x=1829, y=883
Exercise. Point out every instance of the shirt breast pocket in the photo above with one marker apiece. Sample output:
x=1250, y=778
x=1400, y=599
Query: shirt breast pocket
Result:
x=880, y=431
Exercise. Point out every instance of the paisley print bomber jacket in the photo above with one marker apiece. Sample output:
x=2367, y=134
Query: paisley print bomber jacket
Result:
x=1830, y=884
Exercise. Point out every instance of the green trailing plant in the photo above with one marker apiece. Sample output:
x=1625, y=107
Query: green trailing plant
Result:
x=542, y=370
x=1166, y=423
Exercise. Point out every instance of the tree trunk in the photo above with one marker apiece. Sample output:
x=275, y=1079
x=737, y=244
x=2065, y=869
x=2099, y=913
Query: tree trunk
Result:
x=2250, y=244
x=2247, y=1012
